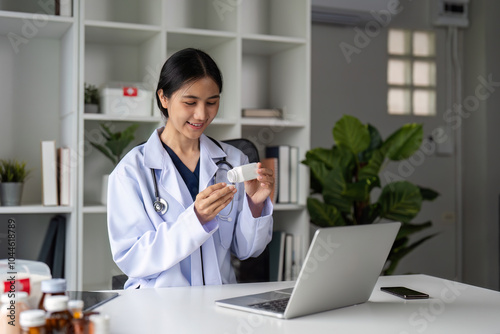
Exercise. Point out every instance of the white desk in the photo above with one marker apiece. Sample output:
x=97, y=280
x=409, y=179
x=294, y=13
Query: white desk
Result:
x=452, y=308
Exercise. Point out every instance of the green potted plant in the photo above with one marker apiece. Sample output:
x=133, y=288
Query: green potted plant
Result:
x=343, y=177
x=91, y=99
x=12, y=176
x=113, y=145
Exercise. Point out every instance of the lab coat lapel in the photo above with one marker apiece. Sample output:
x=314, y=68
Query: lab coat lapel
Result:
x=156, y=157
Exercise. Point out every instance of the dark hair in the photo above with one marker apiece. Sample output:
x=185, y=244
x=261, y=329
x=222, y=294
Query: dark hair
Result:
x=184, y=66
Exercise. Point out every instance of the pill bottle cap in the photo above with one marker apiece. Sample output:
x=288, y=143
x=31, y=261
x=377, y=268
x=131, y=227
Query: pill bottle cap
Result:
x=32, y=318
x=56, y=303
x=18, y=296
x=75, y=304
x=54, y=285
x=232, y=175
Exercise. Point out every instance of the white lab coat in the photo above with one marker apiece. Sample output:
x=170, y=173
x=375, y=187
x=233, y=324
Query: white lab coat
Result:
x=156, y=250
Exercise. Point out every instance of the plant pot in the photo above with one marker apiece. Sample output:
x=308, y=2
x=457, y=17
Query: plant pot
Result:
x=104, y=189
x=11, y=193
x=91, y=108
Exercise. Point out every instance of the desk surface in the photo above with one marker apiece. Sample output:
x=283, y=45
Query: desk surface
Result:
x=452, y=308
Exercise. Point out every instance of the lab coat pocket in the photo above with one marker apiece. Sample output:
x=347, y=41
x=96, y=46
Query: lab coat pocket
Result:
x=226, y=233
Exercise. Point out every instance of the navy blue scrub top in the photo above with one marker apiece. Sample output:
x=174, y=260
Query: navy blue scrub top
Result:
x=191, y=179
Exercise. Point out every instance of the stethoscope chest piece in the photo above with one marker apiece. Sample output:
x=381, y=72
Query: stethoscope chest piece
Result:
x=160, y=205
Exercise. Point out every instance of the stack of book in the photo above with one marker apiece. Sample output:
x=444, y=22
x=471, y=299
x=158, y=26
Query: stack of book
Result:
x=285, y=256
x=284, y=160
x=55, y=174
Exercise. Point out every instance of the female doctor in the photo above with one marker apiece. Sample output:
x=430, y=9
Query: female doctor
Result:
x=169, y=223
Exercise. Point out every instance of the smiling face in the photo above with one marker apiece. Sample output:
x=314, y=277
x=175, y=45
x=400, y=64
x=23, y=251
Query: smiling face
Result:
x=191, y=108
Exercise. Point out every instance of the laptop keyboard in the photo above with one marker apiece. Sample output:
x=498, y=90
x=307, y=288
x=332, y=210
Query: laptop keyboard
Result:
x=278, y=305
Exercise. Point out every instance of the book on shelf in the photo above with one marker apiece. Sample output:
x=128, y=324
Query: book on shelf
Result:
x=64, y=7
x=262, y=112
x=285, y=256
x=287, y=177
x=49, y=173
x=276, y=256
x=287, y=270
x=272, y=164
x=294, y=174
x=63, y=176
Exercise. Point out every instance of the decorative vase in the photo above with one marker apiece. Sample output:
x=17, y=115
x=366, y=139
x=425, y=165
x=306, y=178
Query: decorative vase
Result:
x=10, y=193
x=104, y=189
x=91, y=108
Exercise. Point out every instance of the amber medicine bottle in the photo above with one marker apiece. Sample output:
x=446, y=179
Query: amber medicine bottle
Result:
x=32, y=322
x=52, y=287
x=58, y=318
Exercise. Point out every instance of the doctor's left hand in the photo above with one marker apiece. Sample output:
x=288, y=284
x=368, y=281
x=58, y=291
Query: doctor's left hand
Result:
x=260, y=188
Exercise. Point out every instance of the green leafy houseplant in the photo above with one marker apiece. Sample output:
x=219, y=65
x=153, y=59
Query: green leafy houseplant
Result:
x=114, y=142
x=13, y=171
x=345, y=175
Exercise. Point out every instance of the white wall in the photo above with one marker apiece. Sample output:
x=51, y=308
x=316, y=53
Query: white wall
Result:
x=359, y=88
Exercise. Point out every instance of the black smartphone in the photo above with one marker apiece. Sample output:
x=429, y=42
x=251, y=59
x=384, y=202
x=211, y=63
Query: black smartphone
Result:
x=404, y=292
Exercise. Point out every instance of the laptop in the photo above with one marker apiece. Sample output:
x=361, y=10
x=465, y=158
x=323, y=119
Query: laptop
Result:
x=341, y=268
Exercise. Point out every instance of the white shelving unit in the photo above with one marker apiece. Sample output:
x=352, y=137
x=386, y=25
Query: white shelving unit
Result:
x=39, y=89
x=261, y=46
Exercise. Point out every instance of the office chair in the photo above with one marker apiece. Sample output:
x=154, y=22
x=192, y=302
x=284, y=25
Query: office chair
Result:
x=252, y=269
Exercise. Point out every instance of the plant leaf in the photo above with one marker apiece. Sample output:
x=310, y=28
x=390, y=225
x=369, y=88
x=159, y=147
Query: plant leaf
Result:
x=370, y=213
x=400, y=201
x=322, y=214
x=375, y=142
x=351, y=133
x=334, y=189
x=105, y=151
x=403, y=143
x=320, y=154
x=428, y=194
x=359, y=191
x=409, y=228
x=372, y=169
x=397, y=254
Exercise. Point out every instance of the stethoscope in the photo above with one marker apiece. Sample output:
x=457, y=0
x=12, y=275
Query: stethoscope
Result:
x=161, y=206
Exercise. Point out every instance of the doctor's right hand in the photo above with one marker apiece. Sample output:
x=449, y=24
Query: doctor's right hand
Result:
x=212, y=200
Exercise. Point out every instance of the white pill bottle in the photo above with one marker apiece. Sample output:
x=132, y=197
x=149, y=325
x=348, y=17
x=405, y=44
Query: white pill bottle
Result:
x=243, y=173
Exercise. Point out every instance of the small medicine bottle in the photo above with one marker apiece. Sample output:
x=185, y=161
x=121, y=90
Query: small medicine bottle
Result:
x=75, y=307
x=13, y=303
x=99, y=324
x=242, y=173
x=52, y=287
x=58, y=318
x=79, y=325
x=32, y=322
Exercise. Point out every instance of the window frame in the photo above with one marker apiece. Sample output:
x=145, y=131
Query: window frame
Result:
x=411, y=58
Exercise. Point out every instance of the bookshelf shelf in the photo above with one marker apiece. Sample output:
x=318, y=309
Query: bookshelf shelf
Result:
x=28, y=25
x=34, y=209
x=119, y=33
x=111, y=118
